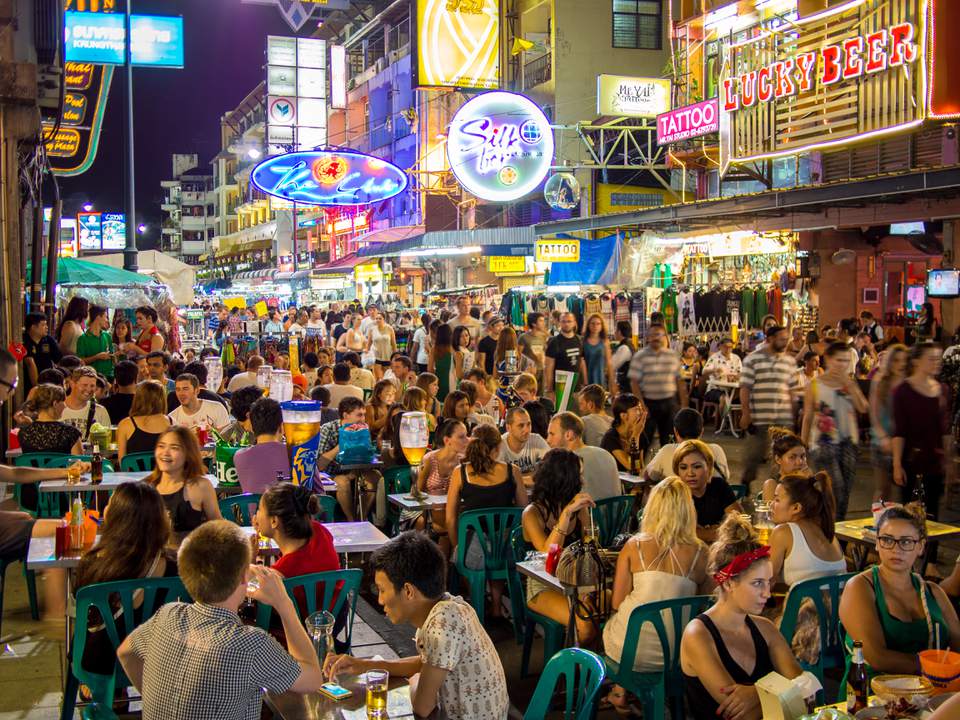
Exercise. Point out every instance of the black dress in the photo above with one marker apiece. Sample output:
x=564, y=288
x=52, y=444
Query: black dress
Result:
x=700, y=702
x=48, y=436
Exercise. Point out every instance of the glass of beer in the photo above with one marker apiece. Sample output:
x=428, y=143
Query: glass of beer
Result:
x=301, y=426
x=763, y=523
x=414, y=441
x=377, y=682
x=73, y=473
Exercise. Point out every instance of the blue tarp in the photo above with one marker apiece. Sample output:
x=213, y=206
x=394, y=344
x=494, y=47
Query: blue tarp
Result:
x=599, y=262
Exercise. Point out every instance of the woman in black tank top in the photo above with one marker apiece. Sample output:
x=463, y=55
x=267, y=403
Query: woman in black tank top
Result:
x=483, y=482
x=727, y=649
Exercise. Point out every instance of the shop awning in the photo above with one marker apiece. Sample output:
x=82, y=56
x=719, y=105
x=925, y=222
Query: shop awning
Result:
x=502, y=237
x=262, y=274
x=341, y=266
x=805, y=208
x=391, y=241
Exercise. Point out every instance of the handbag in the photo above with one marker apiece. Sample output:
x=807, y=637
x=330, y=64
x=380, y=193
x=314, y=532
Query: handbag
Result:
x=583, y=566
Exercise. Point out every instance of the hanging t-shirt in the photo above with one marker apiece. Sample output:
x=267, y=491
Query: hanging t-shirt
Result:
x=688, y=317
x=621, y=308
x=760, y=305
x=747, y=309
x=775, y=303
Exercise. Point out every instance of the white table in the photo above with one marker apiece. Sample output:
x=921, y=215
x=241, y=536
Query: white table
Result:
x=348, y=537
x=631, y=481
x=427, y=502
x=111, y=480
x=729, y=389
x=534, y=568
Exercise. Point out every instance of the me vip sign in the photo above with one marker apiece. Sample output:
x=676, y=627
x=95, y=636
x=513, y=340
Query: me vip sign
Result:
x=853, y=71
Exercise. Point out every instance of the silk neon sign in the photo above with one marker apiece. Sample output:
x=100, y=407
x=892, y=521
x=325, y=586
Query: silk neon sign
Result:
x=326, y=177
x=852, y=58
x=500, y=146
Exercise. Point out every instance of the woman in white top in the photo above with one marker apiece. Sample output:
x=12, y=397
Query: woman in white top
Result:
x=664, y=561
x=383, y=343
x=71, y=325
x=803, y=545
x=830, y=407
x=353, y=340
x=461, y=346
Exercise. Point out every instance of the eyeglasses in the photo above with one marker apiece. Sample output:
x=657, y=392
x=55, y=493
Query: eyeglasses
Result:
x=906, y=543
x=12, y=387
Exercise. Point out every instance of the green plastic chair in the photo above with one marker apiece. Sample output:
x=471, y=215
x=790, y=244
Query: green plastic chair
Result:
x=315, y=591
x=396, y=480
x=96, y=711
x=491, y=527
x=611, y=516
x=237, y=507
x=328, y=508
x=51, y=505
x=653, y=688
x=154, y=593
x=30, y=576
x=832, y=653
x=582, y=672
x=739, y=491
x=137, y=462
x=526, y=620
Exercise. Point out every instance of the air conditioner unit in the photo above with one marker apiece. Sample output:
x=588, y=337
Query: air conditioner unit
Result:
x=951, y=145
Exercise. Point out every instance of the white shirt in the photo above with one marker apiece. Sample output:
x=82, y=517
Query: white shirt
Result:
x=726, y=365
x=420, y=337
x=211, y=414
x=78, y=418
x=339, y=392
x=242, y=380
x=528, y=457
x=365, y=325
x=599, y=470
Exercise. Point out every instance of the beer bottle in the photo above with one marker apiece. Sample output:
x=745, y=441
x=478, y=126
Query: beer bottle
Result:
x=857, y=681
x=96, y=466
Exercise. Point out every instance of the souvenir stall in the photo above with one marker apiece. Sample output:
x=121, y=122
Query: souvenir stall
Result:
x=718, y=285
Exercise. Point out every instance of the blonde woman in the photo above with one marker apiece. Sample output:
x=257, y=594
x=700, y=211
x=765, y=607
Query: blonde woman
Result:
x=147, y=421
x=893, y=369
x=666, y=560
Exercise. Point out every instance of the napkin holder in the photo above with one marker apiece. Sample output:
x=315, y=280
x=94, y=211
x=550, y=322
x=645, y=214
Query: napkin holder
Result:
x=783, y=699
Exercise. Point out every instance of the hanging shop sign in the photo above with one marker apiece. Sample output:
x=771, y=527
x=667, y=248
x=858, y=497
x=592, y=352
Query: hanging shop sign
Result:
x=297, y=12
x=500, y=146
x=99, y=38
x=368, y=272
x=90, y=230
x=502, y=264
x=556, y=250
x=846, y=73
x=632, y=96
x=73, y=147
x=690, y=121
x=740, y=243
x=114, y=226
x=296, y=94
x=457, y=44
x=326, y=177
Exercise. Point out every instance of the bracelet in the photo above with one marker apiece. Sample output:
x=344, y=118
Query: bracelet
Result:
x=564, y=533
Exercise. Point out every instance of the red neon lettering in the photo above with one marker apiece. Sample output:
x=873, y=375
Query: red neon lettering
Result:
x=831, y=65
x=853, y=58
x=806, y=64
x=784, y=72
x=748, y=88
x=902, y=50
x=876, y=51
x=765, y=84
x=730, y=100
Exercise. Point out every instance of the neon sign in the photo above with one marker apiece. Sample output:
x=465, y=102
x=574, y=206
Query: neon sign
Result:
x=852, y=58
x=328, y=177
x=500, y=146
x=690, y=121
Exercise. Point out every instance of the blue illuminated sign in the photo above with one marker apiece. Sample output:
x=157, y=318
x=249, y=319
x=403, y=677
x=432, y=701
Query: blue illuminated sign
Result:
x=329, y=177
x=98, y=38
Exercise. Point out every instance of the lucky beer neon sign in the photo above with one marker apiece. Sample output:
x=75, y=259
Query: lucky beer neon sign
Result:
x=852, y=58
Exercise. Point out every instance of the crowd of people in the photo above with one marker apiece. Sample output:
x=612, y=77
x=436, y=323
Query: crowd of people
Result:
x=501, y=436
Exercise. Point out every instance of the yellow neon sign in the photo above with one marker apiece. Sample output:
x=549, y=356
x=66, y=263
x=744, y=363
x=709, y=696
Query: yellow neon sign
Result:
x=458, y=43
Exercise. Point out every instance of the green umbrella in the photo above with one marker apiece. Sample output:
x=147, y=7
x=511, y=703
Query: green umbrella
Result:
x=71, y=271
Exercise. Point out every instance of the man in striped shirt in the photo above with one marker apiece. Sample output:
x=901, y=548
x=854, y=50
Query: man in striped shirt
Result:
x=769, y=375
x=654, y=374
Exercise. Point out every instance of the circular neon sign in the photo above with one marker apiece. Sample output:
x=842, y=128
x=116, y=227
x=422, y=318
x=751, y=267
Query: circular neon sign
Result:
x=329, y=177
x=500, y=146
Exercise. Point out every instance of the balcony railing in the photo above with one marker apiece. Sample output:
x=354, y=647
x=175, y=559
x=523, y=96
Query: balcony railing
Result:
x=537, y=72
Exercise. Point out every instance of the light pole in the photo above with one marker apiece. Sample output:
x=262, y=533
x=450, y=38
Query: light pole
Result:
x=130, y=249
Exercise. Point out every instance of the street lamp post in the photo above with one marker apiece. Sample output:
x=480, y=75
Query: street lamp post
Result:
x=130, y=249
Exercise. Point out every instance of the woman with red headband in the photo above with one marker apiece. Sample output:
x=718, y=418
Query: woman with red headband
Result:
x=730, y=647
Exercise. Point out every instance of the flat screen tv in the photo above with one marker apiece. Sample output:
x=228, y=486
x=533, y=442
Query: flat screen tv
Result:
x=943, y=283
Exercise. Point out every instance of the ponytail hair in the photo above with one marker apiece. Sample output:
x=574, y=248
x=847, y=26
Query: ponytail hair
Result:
x=815, y=495
x=484, y=441
x=294, y=507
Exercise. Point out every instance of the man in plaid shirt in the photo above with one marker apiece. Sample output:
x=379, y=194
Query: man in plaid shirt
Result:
x=198, y=660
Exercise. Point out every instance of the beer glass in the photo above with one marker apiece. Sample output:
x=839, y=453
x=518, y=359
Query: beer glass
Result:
x=263, y=376
x=214, y=373
x=763, y=523
x=377, y=682
x=301, y=427
x=281, y=385
x=414, y=440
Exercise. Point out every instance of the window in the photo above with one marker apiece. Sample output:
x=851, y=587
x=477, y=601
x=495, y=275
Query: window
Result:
x=637, y=24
